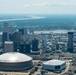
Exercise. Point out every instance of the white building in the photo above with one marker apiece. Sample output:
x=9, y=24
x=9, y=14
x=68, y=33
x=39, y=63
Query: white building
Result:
x=8, y=46
x=54, y=65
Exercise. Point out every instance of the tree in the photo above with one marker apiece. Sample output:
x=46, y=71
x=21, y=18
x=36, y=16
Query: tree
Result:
x=75, y=71
x=36, y=68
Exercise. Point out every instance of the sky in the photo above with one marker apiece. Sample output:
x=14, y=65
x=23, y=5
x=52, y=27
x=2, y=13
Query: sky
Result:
x=37, y=6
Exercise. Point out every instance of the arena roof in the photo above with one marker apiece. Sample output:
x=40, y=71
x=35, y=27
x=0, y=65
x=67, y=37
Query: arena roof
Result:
x=54, y=62
x=14, y=57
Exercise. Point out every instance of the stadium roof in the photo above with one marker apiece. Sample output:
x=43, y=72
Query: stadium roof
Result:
x=14, y=57
x=54, y=62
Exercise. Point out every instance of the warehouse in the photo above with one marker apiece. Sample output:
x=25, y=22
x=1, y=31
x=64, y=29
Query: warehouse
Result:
x=15, y=61
x=54, y=65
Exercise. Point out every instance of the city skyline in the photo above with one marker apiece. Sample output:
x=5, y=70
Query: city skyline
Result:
x=37, y=7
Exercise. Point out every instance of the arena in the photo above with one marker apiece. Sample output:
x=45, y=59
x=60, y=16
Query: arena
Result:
x=15, y=61
x=54, y=65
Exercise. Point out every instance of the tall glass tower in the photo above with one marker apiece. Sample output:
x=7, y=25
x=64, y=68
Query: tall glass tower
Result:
x=70, y=42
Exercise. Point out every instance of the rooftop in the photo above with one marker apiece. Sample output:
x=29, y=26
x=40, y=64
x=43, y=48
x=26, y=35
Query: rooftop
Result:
x=14, y=57
x=8, y=42
x=54, y=62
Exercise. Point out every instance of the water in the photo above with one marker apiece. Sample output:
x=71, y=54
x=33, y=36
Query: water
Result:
x=41, y=22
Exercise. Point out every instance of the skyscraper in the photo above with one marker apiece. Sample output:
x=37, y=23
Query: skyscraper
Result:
x=4, y=37
x=16, y=47
x=6, y=29
x=17, y=37
x=8, y=46
x=70, y=42
x=35, y=44
x=21, y=31
x=28, y=48
x=22, y=48
x=25, y=31
x=25, y=48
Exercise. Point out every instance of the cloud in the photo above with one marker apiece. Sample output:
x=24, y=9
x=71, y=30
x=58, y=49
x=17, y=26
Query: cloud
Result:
x=41, y=4
x=51, y=4
x=59, y=4
x=27, y=5
x=64, y=4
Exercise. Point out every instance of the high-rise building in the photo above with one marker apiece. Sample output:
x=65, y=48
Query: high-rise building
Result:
x=8, y=46
x=21, y=31
x=4, y=37
x=57, y=46
x=70, y=42
x=17, y=37
x=6, y=29
x=16, y=46
x=35, y=44
x=25, y=48
x=28, y=48
x=1, y=37
x=10, y=37
x=22, y=48
x=44, y=43
x=25, y=31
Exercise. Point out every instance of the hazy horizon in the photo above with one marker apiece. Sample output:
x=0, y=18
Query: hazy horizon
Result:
x=37, y=6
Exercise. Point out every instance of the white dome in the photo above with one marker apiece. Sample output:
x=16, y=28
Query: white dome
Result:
x=54, y=65
x=14, y=57
x=54, y=62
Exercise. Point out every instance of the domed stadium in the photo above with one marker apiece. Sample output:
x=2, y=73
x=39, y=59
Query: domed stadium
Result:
x=54, y=65
x=15, y=61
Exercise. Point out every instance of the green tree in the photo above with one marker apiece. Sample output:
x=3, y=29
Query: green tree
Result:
x=36, y=68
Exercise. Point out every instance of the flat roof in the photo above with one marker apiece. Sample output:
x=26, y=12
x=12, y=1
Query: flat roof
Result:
x=8, y=42
x=54, y=62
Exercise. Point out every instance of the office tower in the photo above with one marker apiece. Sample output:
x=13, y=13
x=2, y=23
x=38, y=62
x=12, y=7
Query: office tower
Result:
x=25, y=31
x=57, y=46
x=1, y=37
x=16, y=46
x=8, y=46
x=25, y=48
x=4, y=37
x=35, y=44
x=44, y=46
x=17, y=37
x=28, y=48
x=44, y=43
x=22, y=48
x=6, y=29
x=21, y=31
x=10, y=36
x=70, y=42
